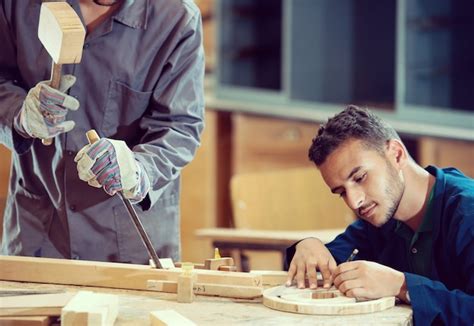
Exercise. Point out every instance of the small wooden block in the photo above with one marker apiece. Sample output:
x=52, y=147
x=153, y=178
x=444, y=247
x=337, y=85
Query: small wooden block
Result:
x=196, y=266
x=215, y=263
x=88, y=308
x=185, y=288
x=169, y=318
x=226, y=268
x=25, y=321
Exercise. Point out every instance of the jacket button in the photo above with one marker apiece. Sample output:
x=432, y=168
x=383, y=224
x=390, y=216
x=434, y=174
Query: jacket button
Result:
x=72, y=207
x=414, y=250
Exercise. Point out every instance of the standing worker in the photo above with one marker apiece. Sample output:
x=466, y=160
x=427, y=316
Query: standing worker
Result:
x=140, y=85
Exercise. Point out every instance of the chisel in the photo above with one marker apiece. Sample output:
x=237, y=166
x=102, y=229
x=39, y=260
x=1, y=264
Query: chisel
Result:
x=92, y=137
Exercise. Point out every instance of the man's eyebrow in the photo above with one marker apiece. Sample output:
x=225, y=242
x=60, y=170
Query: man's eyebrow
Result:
x=354, y=171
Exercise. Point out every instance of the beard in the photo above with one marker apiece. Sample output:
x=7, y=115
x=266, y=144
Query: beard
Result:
x=393, y=192
x=107, y=3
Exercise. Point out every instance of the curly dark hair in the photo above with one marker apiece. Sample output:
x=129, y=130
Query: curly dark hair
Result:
x=352, y=123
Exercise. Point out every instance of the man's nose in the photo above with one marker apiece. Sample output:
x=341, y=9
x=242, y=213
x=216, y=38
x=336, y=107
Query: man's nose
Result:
x=354, y=199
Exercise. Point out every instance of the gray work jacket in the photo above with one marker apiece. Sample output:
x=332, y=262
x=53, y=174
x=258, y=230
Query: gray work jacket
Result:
x=140, y=80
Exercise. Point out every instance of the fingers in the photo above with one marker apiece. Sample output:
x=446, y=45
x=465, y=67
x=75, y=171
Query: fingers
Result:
x=291, y=273
x=300, y=275
x=312, y=276
x=349, y=285
x=56, y=101
x=67, y=81
x=345, y=276
x=326, y=274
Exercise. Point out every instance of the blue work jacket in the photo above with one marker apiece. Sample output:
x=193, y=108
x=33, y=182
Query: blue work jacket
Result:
x=448, y=296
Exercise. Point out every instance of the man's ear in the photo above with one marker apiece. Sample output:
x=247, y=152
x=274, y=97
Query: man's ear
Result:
x=397, y=153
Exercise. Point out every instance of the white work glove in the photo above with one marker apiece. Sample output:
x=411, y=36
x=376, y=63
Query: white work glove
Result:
x=112, y=165
x=44, y=110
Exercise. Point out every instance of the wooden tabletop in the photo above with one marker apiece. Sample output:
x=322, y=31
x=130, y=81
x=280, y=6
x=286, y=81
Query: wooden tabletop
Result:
x=135, y=307
x=285, y=238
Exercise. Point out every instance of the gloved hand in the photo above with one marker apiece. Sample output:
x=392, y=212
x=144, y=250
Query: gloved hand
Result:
x=44, y=109
x=112, y=165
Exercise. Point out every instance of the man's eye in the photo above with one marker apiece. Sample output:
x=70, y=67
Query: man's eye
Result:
x=361, y=178
x=342, y=194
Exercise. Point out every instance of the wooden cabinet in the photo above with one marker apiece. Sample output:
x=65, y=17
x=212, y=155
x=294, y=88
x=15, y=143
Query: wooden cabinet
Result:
x=262, y=143
x=445, y=153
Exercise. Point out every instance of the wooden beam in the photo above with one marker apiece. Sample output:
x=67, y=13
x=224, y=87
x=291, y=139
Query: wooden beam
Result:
x=103, y=274
x=26, y=321
x=35, y=304
x=220, y=290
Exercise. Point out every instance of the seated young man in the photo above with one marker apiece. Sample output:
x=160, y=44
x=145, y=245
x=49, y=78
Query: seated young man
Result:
x=415, y=227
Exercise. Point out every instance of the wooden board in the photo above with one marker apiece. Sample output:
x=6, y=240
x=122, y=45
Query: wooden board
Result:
x=34, y=305
x=321, y=302
x=219, y=290
x=26, y=321
x=102, y=274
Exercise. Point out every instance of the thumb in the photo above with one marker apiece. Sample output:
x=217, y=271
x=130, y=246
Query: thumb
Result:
x=65, y=126
x=66, y=82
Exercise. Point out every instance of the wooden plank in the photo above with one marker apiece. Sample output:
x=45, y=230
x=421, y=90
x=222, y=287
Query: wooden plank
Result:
x=271, y=278
x=169, y=317
x=88, y=308
x=103, y=274
x=219, y=290
x=25, y=321
x=34, y=305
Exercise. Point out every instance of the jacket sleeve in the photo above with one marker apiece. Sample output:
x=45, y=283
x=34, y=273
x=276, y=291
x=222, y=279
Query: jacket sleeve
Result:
x=176, y=119
x=432, y=301
x=434, y=304
x=355, y=236
x=12, y=94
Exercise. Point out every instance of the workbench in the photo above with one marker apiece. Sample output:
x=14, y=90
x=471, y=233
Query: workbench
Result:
x=135, y=306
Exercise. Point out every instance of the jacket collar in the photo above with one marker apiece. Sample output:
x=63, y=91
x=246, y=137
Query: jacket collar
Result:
x=134, y=13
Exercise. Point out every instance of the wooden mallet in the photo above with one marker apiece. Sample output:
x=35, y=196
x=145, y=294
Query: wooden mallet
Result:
x=62, y=34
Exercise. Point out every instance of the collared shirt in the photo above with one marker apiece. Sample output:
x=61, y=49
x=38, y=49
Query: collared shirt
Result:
x=418, y=245
x=140, y=80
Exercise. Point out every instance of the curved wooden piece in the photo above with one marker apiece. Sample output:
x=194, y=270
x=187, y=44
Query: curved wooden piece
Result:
x=320, y=302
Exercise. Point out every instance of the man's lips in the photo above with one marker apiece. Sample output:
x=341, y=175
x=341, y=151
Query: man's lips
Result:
x=367, y=211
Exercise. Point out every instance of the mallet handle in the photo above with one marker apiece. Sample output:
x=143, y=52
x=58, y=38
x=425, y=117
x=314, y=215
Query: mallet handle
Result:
x=55, y=80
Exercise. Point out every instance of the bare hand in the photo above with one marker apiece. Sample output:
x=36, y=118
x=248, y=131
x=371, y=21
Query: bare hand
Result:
x=368, y=280
x=311, y=254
